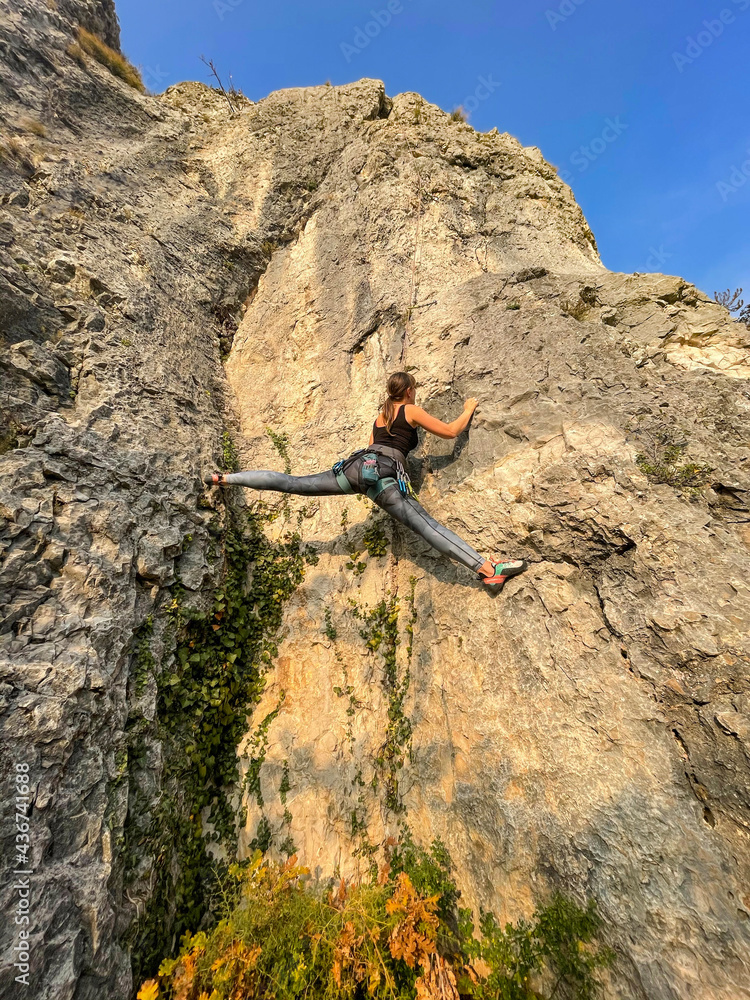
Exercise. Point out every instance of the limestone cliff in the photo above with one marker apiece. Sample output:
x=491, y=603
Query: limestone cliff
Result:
x=169, y=270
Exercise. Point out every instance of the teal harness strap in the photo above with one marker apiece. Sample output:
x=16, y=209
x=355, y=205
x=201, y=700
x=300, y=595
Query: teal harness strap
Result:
x=343, y=482
x=338, y=471
x=369, y=472
x=382, y=484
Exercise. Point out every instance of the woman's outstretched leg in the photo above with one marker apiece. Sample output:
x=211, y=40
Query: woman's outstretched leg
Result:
x=321, y=484
x=410, y=512
x=403, y=508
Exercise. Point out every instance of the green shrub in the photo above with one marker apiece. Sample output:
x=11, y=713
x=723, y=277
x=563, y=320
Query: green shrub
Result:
x=285, y=936
x=660, y=461
x=559, y=939
x=430, y=870
x=690, y=475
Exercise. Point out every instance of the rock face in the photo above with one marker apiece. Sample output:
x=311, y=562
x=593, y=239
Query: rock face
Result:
x=167, y=269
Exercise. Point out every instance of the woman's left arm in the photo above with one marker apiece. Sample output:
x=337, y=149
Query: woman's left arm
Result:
x=372, y=438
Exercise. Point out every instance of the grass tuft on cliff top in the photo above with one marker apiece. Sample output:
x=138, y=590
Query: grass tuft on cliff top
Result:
x=114, y=62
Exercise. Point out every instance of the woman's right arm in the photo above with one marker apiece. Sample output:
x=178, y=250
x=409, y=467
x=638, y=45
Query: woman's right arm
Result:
x=417, y=415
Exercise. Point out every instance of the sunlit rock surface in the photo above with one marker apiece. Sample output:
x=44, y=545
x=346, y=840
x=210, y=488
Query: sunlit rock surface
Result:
x=168, y=269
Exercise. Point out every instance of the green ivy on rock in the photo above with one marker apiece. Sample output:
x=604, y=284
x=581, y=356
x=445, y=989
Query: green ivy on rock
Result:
x=206, y=689
x=380, y=630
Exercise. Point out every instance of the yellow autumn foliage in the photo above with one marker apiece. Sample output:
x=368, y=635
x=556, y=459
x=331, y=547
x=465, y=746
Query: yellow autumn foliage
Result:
x=149, y=990
x=281, y=937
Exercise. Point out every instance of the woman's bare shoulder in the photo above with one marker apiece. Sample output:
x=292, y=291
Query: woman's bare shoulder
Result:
x=411, y=411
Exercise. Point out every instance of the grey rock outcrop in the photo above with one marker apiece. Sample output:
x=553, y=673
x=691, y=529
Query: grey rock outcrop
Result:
x=168, y=269
x=98, y=16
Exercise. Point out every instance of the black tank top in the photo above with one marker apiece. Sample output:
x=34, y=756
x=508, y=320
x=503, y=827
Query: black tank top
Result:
x=402, y=435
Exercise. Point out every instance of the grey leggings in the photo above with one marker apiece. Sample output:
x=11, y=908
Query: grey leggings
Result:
x=403, y=508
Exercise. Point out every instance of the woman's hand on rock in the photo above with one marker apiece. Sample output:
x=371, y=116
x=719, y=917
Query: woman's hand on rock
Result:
x=471, y=404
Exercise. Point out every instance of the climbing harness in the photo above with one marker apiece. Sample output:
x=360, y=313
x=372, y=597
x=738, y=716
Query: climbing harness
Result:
x=338, y=471
x=371, y=472
x=402, y=477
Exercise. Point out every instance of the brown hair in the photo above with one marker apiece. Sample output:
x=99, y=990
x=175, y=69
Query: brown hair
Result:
x=398, y=385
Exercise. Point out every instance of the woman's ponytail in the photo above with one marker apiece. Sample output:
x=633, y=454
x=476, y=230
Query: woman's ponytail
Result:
x=398, y=385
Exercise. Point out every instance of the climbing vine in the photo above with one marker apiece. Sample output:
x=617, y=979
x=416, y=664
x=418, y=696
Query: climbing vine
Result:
x=287, y=845
x=259, y=747
x=380, y=630
x=375, y=540
x=345, y=690
x=143, y=659
x=229, y=458
x=412, y=619
x=281, y=444
x=206, y=686
x=355, y=564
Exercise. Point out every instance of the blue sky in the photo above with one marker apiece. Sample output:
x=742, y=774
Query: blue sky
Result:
x=643, y=106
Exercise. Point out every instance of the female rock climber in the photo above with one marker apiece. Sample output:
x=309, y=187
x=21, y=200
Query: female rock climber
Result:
x=378, y=471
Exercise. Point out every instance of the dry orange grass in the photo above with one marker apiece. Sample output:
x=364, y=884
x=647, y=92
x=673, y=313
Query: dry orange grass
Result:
x=117, y=64
x=16, y=153
x=34, y=126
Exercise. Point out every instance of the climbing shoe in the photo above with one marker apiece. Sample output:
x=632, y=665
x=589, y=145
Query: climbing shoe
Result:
x=505, y=570
x=215, y=479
